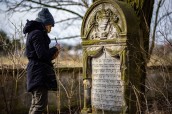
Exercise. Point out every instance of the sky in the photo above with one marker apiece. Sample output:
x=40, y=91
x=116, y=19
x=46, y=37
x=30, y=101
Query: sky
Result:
x=165, y=26
x=8, y=22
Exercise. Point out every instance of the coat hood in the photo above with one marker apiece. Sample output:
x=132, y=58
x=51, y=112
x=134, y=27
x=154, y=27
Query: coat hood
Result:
x=33, y=25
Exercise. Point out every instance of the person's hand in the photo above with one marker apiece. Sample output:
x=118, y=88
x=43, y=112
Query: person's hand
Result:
x=56, y=55
x=58, y=47
x=58, y=50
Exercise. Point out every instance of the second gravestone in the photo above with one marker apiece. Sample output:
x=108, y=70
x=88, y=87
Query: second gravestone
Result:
x=111, y=59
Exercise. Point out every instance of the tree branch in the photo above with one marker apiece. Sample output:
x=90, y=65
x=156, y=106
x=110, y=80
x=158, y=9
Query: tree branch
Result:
x=154, y=28
x=165, y=15
x=54, y=7
x=73, y=18
x=70, y=37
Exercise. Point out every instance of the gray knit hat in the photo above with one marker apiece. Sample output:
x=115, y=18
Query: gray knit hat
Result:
x=45, y=17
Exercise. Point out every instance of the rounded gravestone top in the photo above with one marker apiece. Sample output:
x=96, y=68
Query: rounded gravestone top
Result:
x=108, y=20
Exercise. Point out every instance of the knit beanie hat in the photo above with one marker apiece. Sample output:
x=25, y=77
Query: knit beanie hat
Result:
x=45, y=17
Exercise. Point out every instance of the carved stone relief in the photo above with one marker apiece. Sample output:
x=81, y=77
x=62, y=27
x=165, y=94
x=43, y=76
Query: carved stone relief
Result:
x=104, y=22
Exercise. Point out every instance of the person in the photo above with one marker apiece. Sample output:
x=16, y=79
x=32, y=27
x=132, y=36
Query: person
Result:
x=40, y=74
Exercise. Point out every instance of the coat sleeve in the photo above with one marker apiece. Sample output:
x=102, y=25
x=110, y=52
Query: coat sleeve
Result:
x=43, y=53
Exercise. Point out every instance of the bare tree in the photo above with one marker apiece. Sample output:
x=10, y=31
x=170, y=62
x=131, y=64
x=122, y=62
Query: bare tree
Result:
x=63, y=5
x=75, y=9
x=161, y=26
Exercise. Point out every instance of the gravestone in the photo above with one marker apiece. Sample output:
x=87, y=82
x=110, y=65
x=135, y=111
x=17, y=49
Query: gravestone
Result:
x=111, y=59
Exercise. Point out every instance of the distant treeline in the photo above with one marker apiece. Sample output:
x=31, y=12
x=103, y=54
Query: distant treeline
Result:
x=8, y=44
x=13, y=45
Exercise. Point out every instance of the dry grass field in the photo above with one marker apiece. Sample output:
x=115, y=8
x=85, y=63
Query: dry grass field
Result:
x=158, y=81
x=67, y=60
x=157, y=60
x=64, y=60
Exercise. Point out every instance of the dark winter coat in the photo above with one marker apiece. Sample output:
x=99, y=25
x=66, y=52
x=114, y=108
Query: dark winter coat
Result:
x=40, y=68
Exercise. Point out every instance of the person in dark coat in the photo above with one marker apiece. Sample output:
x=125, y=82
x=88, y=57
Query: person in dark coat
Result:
x=40, y=74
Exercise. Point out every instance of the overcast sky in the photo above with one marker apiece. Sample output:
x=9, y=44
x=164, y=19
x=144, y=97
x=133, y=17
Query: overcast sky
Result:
x=7, y=22
x=165, y=26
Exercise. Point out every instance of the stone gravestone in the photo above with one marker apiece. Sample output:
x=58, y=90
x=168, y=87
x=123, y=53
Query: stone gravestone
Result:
x=111, y=59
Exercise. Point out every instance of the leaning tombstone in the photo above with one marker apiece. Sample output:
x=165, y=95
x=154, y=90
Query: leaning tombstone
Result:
x=111, y=59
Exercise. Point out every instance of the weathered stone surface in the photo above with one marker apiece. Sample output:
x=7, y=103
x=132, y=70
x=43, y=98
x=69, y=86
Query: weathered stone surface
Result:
x=107, y=86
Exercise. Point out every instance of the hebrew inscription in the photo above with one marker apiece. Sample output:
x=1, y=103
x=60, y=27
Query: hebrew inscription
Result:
x=107, y=86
